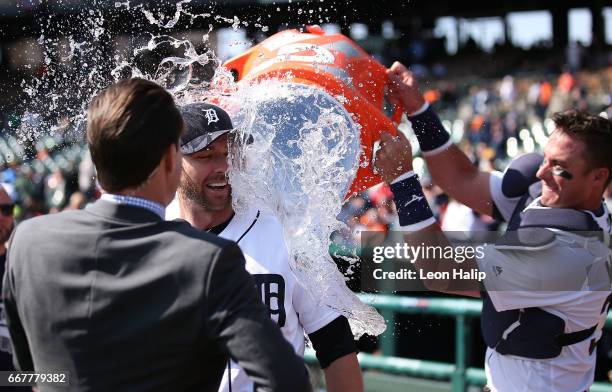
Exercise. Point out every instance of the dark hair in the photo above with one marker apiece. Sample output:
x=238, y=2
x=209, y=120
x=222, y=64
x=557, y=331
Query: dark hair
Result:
x=594, y=131
x=130, y=125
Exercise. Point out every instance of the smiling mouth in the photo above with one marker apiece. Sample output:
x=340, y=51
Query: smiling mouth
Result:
x=554, y=189
x=217, y=185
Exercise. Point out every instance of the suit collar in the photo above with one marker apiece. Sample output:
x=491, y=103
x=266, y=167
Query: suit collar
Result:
x=122, y=212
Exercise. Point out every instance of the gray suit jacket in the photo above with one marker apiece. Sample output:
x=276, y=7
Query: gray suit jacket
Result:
x=125, y=301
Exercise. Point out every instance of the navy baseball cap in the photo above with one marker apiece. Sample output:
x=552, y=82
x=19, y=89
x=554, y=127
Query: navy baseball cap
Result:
x=204, y=123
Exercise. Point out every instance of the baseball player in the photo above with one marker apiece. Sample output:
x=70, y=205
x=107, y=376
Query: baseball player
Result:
x=548, y=285
x=204, y=200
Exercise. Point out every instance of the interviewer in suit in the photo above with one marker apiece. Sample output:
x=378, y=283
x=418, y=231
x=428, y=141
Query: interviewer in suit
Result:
x=123, y=300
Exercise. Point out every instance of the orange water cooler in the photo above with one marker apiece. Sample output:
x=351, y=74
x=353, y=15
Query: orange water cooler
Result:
x=339, y=66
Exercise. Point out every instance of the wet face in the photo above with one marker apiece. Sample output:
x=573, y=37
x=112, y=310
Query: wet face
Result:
x=204, y=177
x=567, y=180
x=6, y=217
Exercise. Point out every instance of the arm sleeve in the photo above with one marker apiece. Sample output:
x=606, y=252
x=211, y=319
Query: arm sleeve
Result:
x=313, y=316
x=503, y=206
x=239, y=322
x=333, y=341
x=22, y=356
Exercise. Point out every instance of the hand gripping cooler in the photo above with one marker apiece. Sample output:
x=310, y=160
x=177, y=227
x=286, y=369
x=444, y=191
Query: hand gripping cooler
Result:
x=336, y=65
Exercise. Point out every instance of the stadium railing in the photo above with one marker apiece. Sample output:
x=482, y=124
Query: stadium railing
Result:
x=459, y=375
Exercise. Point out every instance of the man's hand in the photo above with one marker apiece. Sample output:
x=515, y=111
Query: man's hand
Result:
x=403, y=88
x=394, y=157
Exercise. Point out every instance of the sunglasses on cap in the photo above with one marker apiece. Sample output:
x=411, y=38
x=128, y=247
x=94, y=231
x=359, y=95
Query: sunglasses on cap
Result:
x=7, y=209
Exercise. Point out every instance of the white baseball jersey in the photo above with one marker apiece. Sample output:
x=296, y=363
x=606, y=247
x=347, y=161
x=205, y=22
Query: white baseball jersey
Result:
x=260, y=237
x=573, y=370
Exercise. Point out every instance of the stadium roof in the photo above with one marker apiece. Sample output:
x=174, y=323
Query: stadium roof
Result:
x=465, y=8
x=365, y=11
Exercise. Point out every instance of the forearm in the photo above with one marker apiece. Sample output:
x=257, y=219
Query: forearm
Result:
x=452, y=171
x=433, y=236
x=450, y=168
x=344, y=375
x=422, y=232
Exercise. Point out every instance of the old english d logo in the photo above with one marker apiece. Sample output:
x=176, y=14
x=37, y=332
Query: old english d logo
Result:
x=211, y=115
x=272, y=290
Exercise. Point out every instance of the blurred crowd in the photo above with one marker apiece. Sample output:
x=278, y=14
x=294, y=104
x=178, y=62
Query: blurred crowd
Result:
x=48, y=176
x=493, y=121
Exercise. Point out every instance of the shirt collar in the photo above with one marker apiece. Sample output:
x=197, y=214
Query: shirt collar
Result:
x=220, y=227
x=150, y=205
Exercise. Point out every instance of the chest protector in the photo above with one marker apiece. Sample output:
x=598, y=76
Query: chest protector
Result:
x=533, y=332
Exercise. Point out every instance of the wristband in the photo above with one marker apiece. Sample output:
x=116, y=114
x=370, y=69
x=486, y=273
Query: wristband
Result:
x=412, y=206
x=430, y=133
x=419, y=110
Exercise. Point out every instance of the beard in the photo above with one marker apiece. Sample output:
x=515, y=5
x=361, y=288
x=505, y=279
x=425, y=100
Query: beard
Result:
x=190, y=190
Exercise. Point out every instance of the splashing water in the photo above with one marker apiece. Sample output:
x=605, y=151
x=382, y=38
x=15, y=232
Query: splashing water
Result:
x=175, y=73
x=78, y=62
x=303, y=151
x=301, y=157
x=170, y=24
